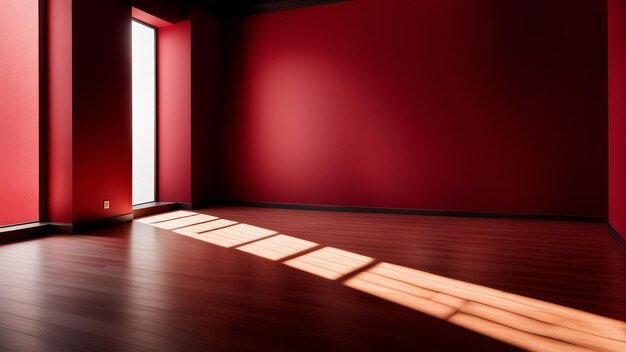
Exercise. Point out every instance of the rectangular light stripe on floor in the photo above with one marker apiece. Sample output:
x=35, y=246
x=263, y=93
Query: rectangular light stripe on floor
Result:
x=513, y=337
x=330, y=263
x=205, y=226
x=539, y=328
x=521, y=321
x=574, y=318
x=183, y=222
x=462, y=290
x=525, y=306
x=418, y=301
x=166, y=216
x=236, y=235
x=277, y=247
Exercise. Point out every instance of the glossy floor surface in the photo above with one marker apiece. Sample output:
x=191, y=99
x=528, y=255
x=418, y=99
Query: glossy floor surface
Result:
x=256, y=279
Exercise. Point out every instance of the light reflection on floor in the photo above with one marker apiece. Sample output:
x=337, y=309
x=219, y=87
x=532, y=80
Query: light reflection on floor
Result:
x=205, y=227
x=235, y=235
x=330, y=263
x=166, y=216
x=183, y=221
x=520, y=321
x=277, y=247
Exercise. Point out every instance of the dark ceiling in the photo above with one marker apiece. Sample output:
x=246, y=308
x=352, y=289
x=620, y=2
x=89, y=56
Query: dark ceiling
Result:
x=250, y=7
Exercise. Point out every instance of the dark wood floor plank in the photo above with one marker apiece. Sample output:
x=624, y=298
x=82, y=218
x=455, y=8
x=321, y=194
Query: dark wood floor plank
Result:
x=15, y=340
x=137, y=287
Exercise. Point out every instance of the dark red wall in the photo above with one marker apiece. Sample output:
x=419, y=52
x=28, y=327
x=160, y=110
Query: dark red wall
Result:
x=19, y=116
x=617, y=115
x=90, y=109
x=206, y=64
x=149, y=18
x=485, y=105
x=102, y=109
x=169, y=10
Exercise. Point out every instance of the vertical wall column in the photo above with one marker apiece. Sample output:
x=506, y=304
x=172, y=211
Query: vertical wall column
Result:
x=617, y=115
x=60, y=111
x=89, y=110
x=188, y=95
x=206, y=56
x=174, y=113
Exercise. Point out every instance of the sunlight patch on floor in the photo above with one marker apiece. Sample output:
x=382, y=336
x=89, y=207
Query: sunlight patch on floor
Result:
x=166, y=216
x=236, y=235
x=330, y=263
x=205, y=227
x=517, y=320
x=524, y=322
x=277, y=247
x=183, y=222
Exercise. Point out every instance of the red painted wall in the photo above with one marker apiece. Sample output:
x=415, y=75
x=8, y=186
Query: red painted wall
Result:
x=485, y=105
x=617, y=115
x=90, y=109
x=19, y=116
x=188, y=98
x=59, y=111
x=174, y=113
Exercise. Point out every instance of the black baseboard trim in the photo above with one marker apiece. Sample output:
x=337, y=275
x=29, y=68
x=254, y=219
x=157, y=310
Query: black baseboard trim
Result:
x=60, y=228
x=31, y=230
x=23, y=232
x=90, y=225
x=186, y=206
x=465, y=214
x=197, y=205
x=154, y=208
x=28, y=231
x=621, y=241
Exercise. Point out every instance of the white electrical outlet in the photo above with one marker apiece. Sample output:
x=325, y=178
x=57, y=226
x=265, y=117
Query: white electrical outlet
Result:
x=106, y=204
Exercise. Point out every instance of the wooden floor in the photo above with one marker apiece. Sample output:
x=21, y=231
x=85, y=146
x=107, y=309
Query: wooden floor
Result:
x=138, y=287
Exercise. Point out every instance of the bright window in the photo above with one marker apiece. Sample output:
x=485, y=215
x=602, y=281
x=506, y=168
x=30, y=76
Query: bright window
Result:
x=144, y=113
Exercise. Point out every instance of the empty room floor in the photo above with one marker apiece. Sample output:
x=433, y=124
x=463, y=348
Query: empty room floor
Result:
x=243, y=278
